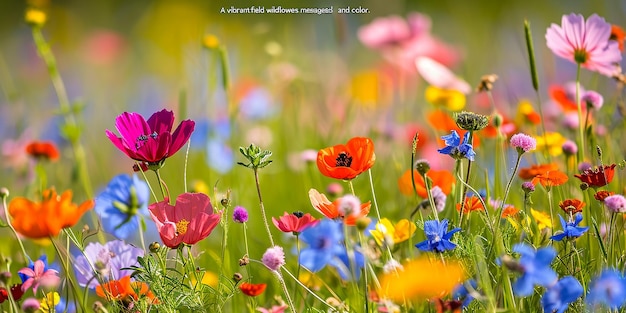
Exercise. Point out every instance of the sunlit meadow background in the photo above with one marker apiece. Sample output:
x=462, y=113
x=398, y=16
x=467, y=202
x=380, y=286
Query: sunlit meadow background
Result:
x=297, y=82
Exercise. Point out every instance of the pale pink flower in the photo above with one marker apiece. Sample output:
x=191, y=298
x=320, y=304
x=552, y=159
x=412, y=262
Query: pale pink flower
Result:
x=585, y=42
x=274, y=258
x=38, y=276
x=523, y=143
x=436, y=74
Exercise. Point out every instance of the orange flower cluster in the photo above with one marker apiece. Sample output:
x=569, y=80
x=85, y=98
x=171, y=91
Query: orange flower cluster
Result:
x=252, y=290
x=509, y=211
x=124, y=289
x=42, y=150
x=602, y=194
x=551, y=179
x=46, y=218
x=320, y=202
x=471, y=204
x=572, y=206
x=347, y=161
x=534, y=170
x=443, y=179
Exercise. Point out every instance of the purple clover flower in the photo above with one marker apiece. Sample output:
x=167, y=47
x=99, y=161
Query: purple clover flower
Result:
x=523, y=143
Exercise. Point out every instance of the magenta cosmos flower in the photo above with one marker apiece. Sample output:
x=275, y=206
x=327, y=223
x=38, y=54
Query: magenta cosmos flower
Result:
x=189, y=221
x=39, y=276
x=150, y=141
x=585, y=42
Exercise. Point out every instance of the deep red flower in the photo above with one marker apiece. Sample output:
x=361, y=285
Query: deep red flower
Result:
x=252, y=290
x=452, y=306
x=572, y=206
x=347, y=161
x=189, y=221
x=294, y=223
x=42, y=150
x=150, y=141
x=597, y=177
x=602, y=194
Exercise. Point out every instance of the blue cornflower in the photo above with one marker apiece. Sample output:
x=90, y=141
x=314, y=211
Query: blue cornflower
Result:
x=558, y=297
x=457, y=149
x=437, y=236
x=119, y=204
x=608, y=289
x=461, y=293
x=325, y=248
x=571, y=230
x=535, y=269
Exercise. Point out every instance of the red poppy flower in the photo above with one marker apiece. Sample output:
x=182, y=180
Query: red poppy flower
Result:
x=252, y=290
x=471, y=204
x=572, y=206
x=331, y=209
x=602, y=194
x=294, y=223
x=551, y=179
x=597, y=177
x=618, y=34
x=443, y=179
x=347, y=161
x=189, y=221
x=16, y=293
x=452, y=306
x=42, y=150
x=534, y=170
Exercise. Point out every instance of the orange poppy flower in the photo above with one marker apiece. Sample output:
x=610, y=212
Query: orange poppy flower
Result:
x=443, y=179
x=42, y=150
x=471, y=204
x=572, y=206
x=560, y=95
x=123, y=288
x=441, y=120
x=618, y=34
x=551, y=179
x=602, y=194
x=509, y=211
x=347, y=161
x=331, y=209
x=46, y=218
x=597, y=177
x=534, y=170
x=252, y=290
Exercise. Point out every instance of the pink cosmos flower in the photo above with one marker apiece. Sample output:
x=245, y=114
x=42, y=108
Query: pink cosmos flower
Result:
x=37, y=276
x=150, y=141
x=401, y=41
x=585, y=42
x=189, y=221
x=295, y=223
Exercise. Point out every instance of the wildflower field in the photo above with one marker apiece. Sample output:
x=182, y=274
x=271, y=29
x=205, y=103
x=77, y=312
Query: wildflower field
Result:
x=312, y=156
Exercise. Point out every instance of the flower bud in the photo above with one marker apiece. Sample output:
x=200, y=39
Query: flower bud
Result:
x=237, y=277
x=154, y=247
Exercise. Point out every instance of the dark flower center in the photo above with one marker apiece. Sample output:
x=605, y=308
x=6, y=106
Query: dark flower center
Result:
x=141, y=140
x=580, y=56
x=344, y=159
x=298, y=214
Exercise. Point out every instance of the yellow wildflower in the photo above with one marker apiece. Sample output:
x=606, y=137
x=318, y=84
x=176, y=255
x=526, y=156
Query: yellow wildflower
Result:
x=210, y=41
x=35, y=17
x=554, y=142
x=49, y=302
x=310, y=280
x=370, y=89
x=208, y=278
x=542, y=219
x=452, y=100
x=396, y=234
x=421, y=279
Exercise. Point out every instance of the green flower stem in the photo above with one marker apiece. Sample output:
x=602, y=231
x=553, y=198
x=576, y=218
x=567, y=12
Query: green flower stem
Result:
x=466, y=183
x=550, y=206
x=331, y=308
x=79, y=153
x=70, y=279
x=430, y=196
x=160, y=181
x=581, y=133
x=369, y=171
x=145, y=178
x=6, y=215
x=258, y=190
x=285, y=290
x=13, y=306
x=508, y=187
